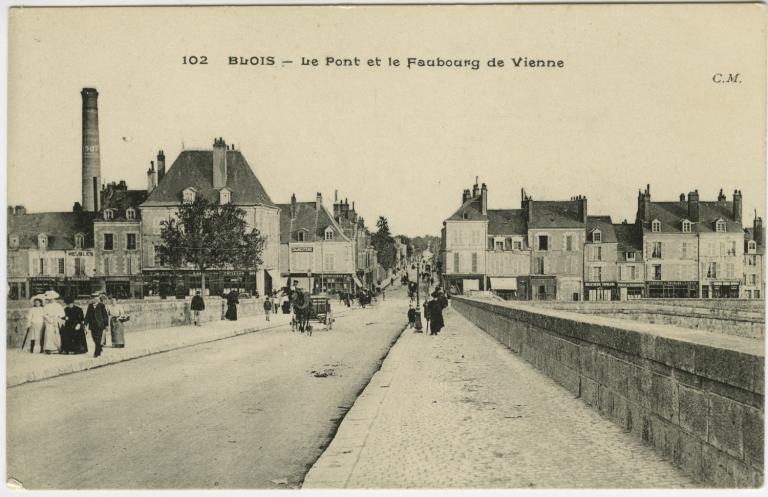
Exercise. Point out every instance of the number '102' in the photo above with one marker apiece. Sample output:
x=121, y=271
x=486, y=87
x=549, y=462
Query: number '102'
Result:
x=195, y=60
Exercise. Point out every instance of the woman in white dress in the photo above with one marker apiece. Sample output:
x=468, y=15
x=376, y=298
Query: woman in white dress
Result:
x=36, y=323
x=53, y=315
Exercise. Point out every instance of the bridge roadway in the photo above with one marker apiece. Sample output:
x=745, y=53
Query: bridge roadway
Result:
x=457, y=410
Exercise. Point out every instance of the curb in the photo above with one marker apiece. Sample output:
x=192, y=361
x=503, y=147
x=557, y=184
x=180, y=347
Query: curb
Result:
x=336, y=464
x=106, y=360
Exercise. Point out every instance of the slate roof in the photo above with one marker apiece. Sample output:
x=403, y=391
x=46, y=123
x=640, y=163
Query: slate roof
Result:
x=309, y=219
x=60, y=227
x=605, y=225
x=554, y=214
x=506, y=222
x=671, y=215
x=471, y=208
x=630, y=239
x=121, y=200
x=194, y=168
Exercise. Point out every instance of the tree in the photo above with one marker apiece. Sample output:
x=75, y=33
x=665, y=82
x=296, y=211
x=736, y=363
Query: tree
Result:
x=206, y=235
x=384, y=244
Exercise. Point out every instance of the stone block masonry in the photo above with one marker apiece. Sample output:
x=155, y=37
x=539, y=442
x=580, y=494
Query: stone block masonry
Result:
x=696, y=397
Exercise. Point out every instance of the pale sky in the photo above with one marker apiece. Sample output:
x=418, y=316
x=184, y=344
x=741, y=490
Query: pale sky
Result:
x=634, y=104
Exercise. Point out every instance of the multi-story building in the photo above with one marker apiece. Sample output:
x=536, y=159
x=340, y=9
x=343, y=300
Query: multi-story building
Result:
x=629, y=261
x=464, y=243
x=556, y=233
x=691, y=248
x=508, y=253
x=365, y=257
x=221, y=175
x=753, y=283
x=117, y=241
x=51, y=250
x=601, y=260
x=315, y=252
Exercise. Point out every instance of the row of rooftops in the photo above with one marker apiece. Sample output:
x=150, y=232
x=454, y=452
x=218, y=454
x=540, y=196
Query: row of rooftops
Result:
x=684, y=216
x=192, y=170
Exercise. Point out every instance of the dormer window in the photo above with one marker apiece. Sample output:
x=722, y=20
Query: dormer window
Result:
x=465, y=215
x=300, y=236
x=329, y=233
x=130, y=214
x=630, y=256
x=655, y=226
x=686, y=226
x=42, y=241
x=108, y=214
x=720, y=226
x=225, y=196
x=79, y=239
x=752, y=246
x=189, y=195
x=597, y=236
x=13, y=241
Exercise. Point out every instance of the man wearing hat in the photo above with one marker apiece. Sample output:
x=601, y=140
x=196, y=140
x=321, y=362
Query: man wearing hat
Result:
x=97, y=319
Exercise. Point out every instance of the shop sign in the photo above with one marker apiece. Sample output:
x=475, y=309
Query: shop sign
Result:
x=80, y=253
x=302, y=249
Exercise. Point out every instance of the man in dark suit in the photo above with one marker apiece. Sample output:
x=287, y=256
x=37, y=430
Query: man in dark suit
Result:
x=97, y=320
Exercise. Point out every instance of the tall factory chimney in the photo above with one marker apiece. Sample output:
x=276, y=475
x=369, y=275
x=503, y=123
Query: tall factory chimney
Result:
x=91, y=159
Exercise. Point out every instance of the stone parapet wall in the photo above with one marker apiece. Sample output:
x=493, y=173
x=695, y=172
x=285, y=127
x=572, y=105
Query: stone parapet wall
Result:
x=696, y=397
x=740, y=318
x=144, y=315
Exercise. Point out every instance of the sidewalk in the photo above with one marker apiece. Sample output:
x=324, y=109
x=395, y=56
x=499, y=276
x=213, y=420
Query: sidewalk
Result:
x=461, y=411
x=23, y=367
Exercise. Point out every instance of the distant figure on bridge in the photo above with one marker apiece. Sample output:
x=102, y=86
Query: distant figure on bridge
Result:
x=232, y=300
x=267, y=307
x=411, y=316
x=198, y=306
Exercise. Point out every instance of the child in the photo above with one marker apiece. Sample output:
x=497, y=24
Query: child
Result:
x=411, y=316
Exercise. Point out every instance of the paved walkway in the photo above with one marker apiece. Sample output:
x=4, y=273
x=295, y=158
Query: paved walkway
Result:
x=459, y=411
x=23, y=367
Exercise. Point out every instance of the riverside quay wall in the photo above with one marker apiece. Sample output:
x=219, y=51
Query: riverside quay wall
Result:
x=697, y=397
x=144, y=314
x=744, y=318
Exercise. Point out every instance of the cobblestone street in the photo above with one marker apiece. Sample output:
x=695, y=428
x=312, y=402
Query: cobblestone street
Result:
x=459, y=410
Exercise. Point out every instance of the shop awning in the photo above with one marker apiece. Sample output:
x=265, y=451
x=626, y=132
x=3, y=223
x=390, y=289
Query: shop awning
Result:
x=357, y=282
x=274, y=274
x=503, y=283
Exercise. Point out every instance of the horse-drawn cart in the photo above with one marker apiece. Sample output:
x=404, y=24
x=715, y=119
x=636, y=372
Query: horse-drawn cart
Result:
x=315, y=308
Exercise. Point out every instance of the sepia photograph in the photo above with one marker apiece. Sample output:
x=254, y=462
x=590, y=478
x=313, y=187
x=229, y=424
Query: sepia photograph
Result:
x=423, y=246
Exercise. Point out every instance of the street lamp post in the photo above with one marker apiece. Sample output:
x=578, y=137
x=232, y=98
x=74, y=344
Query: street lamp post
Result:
x=418, y=305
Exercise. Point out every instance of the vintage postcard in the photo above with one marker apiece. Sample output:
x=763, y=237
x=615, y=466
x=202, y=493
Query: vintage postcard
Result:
x=488, y=246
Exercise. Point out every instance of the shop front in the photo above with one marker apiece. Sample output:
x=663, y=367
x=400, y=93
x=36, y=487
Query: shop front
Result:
x=601, y=291
x=539, y=287
x=720, y=290
x=504, y=287
x=180, y=284
x=672, y=290
x=631, y=291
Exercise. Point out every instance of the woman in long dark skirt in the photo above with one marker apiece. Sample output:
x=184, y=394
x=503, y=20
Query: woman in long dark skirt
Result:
x=232, y=301
x=436, y=322
x=73, y=331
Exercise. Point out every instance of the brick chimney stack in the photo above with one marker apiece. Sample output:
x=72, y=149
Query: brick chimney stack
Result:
x=293, y=206
x=757, y=230
x=319, y=201
x=737, y=205
x=91, y=174
x=693, y=206
x=484, y=199
x=151, y=178
x=219, y=163
x=160, y=166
